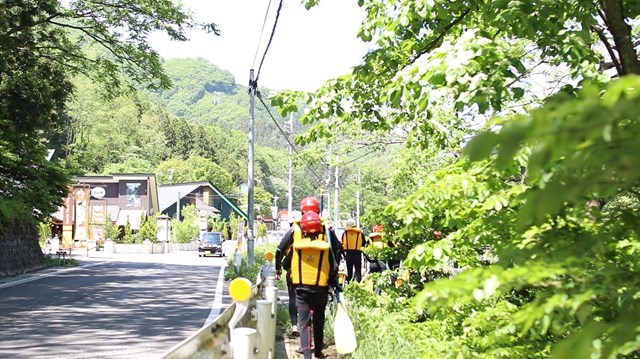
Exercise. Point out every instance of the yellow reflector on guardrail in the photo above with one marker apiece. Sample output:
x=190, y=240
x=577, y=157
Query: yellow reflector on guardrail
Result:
x=240, y=289
x=268, y=256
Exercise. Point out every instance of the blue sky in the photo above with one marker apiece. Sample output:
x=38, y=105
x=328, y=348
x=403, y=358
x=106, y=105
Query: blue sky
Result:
x=309, y=46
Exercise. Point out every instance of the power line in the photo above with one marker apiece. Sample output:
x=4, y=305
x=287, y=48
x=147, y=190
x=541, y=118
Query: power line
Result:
x=278, y=125
x=291, y=144
x=284, y=134
x=359, y=157
x=273, y=31
x=264, y=22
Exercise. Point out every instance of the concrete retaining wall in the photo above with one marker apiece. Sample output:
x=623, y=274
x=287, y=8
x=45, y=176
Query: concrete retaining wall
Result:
x=147, y=248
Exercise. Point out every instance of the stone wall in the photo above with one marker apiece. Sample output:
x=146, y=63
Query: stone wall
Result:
x=19, y=248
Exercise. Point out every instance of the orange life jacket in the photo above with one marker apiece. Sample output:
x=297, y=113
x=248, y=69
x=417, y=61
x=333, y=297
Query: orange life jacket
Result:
x=352, y=239
x=310, y=264
x=376, y=240
x=297, y=233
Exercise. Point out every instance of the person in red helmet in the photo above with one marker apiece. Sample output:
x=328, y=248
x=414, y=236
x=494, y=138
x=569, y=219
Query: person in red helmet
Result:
x=310, y=204
x=314, y=267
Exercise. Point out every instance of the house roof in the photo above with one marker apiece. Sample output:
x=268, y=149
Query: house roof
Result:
x=168, y=195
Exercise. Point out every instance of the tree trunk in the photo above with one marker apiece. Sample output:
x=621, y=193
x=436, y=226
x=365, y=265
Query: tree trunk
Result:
x=621, y=33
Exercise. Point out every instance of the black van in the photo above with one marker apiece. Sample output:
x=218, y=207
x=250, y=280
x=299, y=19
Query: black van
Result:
x=210, y=243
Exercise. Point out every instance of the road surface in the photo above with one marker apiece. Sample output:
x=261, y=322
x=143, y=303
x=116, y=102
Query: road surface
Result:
x=128, y=306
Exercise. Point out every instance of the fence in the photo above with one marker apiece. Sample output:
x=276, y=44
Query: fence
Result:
x=245, y=330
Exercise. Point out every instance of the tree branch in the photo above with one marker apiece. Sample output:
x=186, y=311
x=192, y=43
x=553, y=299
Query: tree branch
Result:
x=57, y=60
x=598, y=30
x=82, y=58
x=440, y=36
x=102, y=41
x=39, y=22
x=621, y=33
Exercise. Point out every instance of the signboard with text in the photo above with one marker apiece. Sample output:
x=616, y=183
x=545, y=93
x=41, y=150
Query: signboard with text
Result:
x=81, y=201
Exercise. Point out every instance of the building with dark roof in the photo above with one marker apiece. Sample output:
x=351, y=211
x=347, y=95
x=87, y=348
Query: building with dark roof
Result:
x=92, y=200
x=204, y=195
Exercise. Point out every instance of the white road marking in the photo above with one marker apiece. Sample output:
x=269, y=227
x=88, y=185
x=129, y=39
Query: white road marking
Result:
x=44, y=275
x=217, y=300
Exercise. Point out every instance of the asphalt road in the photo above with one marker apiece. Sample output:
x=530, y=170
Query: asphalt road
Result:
x=121, y=307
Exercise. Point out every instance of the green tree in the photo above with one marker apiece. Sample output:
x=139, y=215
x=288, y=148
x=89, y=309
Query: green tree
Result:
x=218, y=225
x=148, y=229
x=234, y=225
x=42, y=46
x=104, y=136
x=532, y=214
x=128, y=236
x=262, y=230
x=112, y=231
x=33, y=91
x=178, y=136
x=44, y=231
x=187, y=229
x=194, y=169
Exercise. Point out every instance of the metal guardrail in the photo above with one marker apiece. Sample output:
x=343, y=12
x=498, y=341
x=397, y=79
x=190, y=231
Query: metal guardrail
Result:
x=243, y=330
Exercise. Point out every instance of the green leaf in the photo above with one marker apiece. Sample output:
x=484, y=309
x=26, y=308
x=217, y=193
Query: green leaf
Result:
x=481, y=146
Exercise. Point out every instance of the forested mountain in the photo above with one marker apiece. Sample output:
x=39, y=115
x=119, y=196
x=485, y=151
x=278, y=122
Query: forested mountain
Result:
x=203, y=93
x=135, y=133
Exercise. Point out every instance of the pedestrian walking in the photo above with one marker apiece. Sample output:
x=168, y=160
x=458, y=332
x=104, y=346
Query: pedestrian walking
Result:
x=314, y=266
x=352, y=243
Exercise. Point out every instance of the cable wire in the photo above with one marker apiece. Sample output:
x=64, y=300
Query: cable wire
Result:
x=264, y=22
x=291, y=144
x=285, y=135
x=278, y=125
x=273, y=31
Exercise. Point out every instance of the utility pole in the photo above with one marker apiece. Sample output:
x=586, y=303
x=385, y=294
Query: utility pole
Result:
x=178, y=208
x=329, y=180
x=358, y=201
x=336, y=207
x=290, y=203
x=252, y=93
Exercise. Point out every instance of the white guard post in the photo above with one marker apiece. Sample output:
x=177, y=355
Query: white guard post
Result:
x=243, y=340
x=243, y=343
x=266, y=330
x=267, y=317
x=266, y=309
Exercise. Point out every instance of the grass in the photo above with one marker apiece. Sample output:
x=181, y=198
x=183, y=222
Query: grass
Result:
x=51, y=261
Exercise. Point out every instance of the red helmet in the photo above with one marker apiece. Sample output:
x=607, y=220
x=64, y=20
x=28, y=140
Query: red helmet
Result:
x=311, y=223
x=309, y=204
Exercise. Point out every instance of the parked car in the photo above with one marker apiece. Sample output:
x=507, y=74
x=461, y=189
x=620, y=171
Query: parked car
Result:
x=275, y=236
x=210, y=243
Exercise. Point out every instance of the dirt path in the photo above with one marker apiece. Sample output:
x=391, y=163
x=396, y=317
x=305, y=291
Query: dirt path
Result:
x=286, y=346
